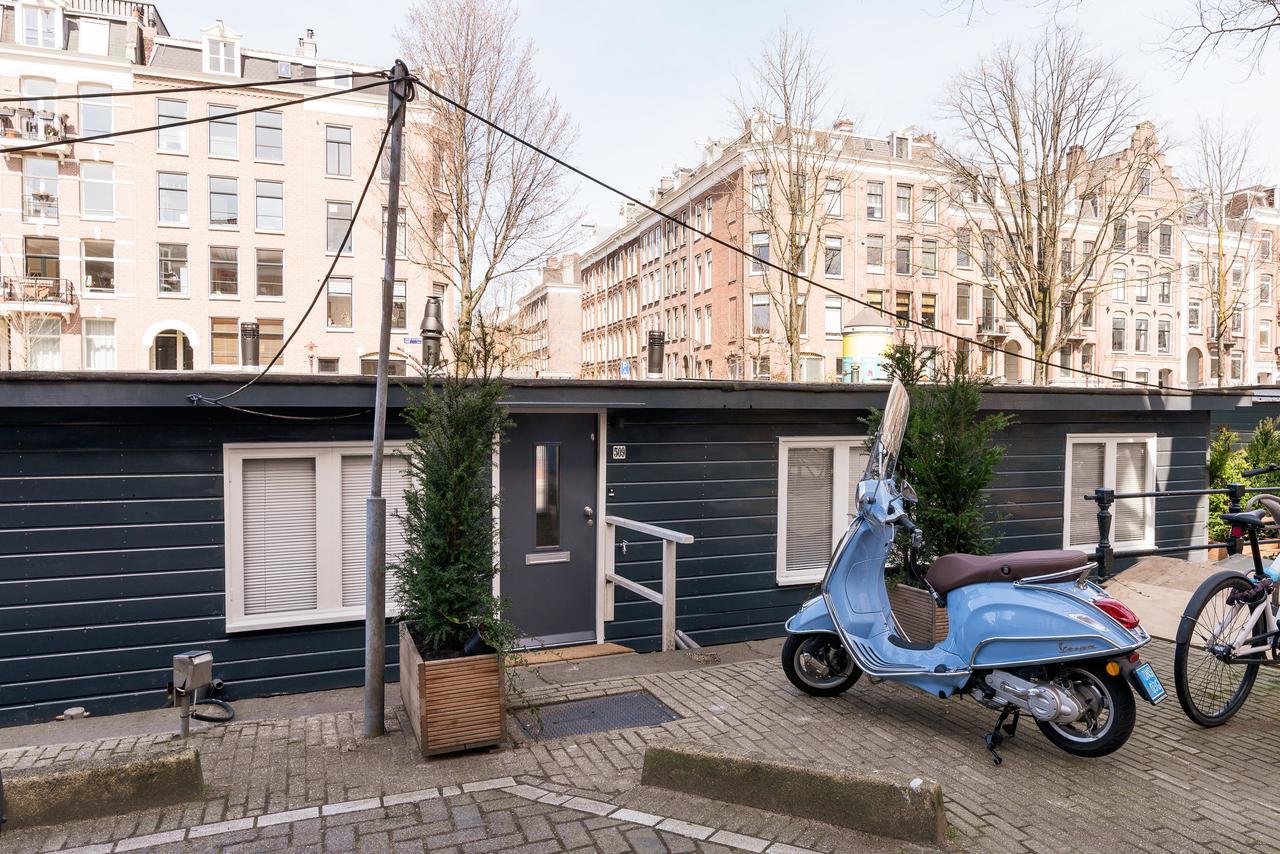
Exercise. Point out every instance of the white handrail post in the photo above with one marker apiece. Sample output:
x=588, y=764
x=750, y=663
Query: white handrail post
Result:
x=668, y=595
x=610, y=567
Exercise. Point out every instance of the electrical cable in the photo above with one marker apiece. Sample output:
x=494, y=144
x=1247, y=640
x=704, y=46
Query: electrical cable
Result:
x=197, y=399
x=179, y=90
x=19, y=149
x=213, y=719
x=720, y=242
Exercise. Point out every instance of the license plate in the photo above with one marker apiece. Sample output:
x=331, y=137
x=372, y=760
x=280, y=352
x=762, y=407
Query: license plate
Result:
x=1149, y=683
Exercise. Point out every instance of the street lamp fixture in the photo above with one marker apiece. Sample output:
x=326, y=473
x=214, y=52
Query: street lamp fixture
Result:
x=432, y=331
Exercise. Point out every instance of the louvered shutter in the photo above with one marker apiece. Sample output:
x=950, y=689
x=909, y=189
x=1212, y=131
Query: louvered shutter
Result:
x=858, y=458
x=1131, y=476
x=810, y=472
x=279, y=512
x=355, y=489
x=1088, y=461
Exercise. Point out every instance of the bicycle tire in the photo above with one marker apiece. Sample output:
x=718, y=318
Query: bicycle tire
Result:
x=1203, y=680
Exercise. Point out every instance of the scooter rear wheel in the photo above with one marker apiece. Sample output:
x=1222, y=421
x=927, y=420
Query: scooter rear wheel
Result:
x=818, y=664
x=1111, y=716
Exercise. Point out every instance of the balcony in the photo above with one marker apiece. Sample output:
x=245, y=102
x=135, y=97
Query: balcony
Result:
x=37, y=295
x=992, y=327
x=40, y=207
x=24, y=126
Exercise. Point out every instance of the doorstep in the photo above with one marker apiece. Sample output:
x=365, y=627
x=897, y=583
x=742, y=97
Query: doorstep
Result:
x=555, y=655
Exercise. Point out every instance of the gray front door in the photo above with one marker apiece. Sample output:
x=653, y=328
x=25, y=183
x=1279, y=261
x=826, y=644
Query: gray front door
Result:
x=547, y=476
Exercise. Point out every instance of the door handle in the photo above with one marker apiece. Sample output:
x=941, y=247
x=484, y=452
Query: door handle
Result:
x=591, y=516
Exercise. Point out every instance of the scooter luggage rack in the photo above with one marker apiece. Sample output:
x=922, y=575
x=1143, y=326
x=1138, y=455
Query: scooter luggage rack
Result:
x=1105, y=553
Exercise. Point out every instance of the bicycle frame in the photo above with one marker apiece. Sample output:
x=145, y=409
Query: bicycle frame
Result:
x=1264, y=612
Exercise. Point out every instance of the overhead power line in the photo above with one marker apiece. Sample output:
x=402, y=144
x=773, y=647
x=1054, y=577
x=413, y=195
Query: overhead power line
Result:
x=179, y=90
x=197, y=399
x=559, y=161
x=36, y=146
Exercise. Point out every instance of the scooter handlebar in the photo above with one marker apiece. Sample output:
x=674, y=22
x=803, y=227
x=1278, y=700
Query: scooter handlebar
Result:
x=917, y=538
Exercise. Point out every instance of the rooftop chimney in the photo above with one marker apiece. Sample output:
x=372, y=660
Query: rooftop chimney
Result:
x=307, y=45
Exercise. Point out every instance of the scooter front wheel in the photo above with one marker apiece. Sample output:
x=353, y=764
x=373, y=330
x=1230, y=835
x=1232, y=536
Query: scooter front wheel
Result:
x=1109, y=716
x=818, y=664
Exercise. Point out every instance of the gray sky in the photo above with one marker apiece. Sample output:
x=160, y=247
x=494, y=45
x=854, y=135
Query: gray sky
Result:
x=646, y=81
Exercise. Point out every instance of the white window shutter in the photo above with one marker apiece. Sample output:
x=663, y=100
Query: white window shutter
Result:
x=1131, y=476
x=1088, y=466
x=355, y=489
x=810, y=475
x=279, y=512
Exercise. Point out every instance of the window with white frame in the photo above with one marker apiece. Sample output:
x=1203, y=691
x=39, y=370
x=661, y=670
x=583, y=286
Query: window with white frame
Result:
x=170, y=139
x=95, y=112
x=224, y=132
x=295, y=523
x=1123, y=462
x=97, y=190
x=222, y=56
x=817, y=483
x=99, y=343
x=95, y=36
x=833, y=257
x=40, y=26
x=833, y=197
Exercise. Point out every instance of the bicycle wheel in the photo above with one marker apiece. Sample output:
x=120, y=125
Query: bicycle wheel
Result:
x=1211, y=683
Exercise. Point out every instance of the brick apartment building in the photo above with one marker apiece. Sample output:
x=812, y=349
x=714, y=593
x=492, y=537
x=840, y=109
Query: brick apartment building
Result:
x=890, y=236
x=546, y=324
x=151, y=251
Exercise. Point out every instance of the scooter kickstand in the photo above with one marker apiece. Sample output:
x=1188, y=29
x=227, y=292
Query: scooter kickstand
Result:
x=995, y=738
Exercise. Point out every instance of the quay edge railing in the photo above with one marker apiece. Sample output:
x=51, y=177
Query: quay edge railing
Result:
x=1105, y=554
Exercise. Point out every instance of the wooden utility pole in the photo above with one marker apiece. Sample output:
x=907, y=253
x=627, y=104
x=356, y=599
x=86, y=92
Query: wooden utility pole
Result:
x=399, y=94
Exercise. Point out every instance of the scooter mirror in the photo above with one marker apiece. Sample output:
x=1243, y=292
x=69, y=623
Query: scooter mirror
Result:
x=908, y=493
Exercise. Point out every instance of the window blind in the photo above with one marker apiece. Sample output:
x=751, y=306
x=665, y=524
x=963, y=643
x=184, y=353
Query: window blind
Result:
x=279, y=530
x=1088, y=462
x=810, y=490
x=1131, y=476
x=355, y=489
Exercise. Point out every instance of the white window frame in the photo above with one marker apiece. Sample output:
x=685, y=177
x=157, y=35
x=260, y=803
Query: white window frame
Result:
x=328, y=459
x=1071, y=497
x=843, y=448
x=215, y=61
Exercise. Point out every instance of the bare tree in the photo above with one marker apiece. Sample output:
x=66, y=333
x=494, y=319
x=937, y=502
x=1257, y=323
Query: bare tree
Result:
x=1045, y=171
x=1219, y=230
x=1247, y=26
x=487, y=206
x=783, y=107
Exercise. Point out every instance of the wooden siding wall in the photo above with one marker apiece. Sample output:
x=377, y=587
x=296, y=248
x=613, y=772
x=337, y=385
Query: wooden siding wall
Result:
x=111, y=561
x=1243, y=419
x=714, y=475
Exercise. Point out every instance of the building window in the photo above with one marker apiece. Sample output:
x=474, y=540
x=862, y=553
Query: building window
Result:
x=812, y=368
x=95, y=37
x=224, y=271
x=95, y=112
x=224, y=202
x=1164, y=335
x=903, y=207
x=223, y=127
x=833, y=257
x=964, y=249
x=220, y=57
x=399, y=305
x=1144, y=236
x=270, y=273
x=172, y=274
x=44, y=344
x=287, y=565
x=402, y=234
x=833, y=197
x=1237, y=366
x=268, y=136
x=1193, y=315
x=270, y=340
x=902, y=308
x=1166, y=289
x=1264, y=249
x=39, y=189
x=759, y=191
x=1166, y=240
x=929, y=309
x=327, y=365
x=99, y=344
x=269, y=205
x=1144, y=181
x=337, y=150
x=929, y=257
x=964, y=304
x=875, y=253
x=1118, y=333
x=172, y=351
x=759, y=314
x=173, y=198
x=1264, y=336
x=901, y=146
x=816, y=481
x=42, y=258
x=171, y=140
x=988, y=255
x=1237, y=320
x=902, y=256
x=99, y=266
x=759, y=252
x=224, y=341
x=39, y=27
x=1118, y=275
x=1140, y=341
x=338, y=304
x=1264, y=288
x=929, y=205
x=1126, y=463
x=1119, y=241
x=98, y=190
x=833, y=317
x=1142, y=285
x=338, y=227
x=875, y=200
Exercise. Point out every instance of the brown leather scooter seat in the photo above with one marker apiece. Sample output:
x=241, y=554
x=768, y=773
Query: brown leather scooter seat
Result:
x=956, y=570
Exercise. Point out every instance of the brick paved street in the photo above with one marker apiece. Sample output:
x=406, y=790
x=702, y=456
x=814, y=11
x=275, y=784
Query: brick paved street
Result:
x=1174, y=787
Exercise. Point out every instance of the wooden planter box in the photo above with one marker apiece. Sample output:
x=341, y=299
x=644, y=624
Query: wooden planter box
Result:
x=917, y=614
x=454, y=703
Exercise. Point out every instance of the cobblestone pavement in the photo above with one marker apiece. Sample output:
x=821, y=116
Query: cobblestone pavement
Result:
x=1174, y=787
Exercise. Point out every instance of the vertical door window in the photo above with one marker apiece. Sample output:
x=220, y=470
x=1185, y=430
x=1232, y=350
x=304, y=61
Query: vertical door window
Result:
x=546, y=495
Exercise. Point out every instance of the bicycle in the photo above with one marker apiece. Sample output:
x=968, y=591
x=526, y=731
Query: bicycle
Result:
x=1229, y=628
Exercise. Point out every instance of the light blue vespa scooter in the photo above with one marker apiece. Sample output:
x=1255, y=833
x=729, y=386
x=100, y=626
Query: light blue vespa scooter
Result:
x=1028, y=631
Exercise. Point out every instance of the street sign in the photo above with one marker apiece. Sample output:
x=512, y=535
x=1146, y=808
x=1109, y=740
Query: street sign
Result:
x=625, y=370
x=412, y=340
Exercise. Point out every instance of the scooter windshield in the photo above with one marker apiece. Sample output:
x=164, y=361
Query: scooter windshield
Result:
x=888, y=440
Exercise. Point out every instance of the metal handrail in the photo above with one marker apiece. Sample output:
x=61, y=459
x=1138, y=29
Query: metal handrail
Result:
x=38, y=289
x=672, y=638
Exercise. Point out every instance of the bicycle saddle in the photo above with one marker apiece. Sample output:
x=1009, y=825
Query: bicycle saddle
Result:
x=1248, y=519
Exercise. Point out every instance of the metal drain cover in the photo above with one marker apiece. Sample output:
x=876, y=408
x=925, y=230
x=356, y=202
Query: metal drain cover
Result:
x=598, y=714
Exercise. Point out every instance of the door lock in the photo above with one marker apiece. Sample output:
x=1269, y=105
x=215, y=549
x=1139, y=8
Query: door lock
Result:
x=591, y=516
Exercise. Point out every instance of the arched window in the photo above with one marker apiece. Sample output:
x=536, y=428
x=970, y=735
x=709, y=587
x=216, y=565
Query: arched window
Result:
x=1118, y=333
x=171, y=351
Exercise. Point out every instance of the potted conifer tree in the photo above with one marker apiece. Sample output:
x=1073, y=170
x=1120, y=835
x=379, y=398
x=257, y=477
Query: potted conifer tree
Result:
x=452, y=638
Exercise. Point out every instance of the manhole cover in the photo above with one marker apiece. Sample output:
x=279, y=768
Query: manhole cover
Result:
x=579, y=717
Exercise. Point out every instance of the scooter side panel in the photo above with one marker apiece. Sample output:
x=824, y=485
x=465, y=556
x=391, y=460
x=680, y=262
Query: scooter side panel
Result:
x=813, y=617
x=1001, y=624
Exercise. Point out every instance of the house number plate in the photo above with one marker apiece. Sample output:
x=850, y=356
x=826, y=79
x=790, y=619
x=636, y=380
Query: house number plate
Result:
x=619, y=452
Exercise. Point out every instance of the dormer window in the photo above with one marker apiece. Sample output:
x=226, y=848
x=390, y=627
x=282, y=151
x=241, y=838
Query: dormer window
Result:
x=901, y=147
x=40, y=26
x=221, y=50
